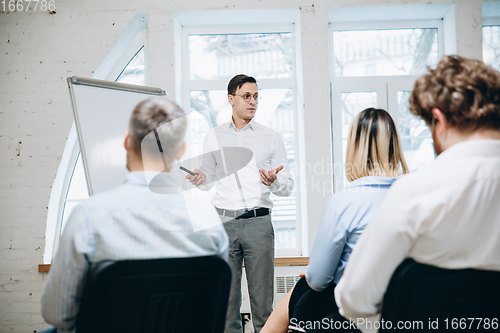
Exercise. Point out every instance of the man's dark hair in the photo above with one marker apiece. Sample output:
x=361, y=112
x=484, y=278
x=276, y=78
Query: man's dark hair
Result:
x=237, y=81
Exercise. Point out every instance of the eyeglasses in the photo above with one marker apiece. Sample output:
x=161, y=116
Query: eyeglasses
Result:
x=248, y=97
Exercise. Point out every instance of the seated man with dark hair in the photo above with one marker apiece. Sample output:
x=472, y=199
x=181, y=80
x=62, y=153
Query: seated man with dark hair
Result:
x=137, y=220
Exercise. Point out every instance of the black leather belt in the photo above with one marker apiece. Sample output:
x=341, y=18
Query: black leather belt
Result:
x=244, y=213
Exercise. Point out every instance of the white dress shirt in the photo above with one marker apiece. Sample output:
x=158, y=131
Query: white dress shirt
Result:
x=129, y=222
x=446, y=216
x=268, y=153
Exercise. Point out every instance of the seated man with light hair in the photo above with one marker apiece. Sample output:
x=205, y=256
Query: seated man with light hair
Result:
x=140, y=219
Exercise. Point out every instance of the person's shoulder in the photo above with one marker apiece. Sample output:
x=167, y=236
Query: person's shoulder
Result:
x=414, y=181
x=92, y=209
x=222, y=127
x=361, y=192
x=103, y=199
x=266, y=131
x=371, y=181
x=264, y=128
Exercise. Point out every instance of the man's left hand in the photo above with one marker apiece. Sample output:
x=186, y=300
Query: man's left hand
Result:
x=267, y=178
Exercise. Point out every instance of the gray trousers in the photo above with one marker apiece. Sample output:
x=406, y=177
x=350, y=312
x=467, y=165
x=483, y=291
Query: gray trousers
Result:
x=251, y=240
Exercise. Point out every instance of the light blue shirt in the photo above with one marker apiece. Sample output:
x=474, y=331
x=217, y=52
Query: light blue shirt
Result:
x=133, y=221
x=346, y=215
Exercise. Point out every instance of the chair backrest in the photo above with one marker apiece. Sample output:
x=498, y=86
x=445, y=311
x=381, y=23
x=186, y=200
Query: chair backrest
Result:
x=419, y=292
x=176, y=295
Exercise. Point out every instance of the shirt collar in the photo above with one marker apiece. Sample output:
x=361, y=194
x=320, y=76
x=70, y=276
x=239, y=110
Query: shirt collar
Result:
x=372, y=181
x=250, y=125
x=471, y=148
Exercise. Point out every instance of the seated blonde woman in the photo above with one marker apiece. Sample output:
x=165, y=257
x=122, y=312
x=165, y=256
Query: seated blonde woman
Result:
x=374, y=160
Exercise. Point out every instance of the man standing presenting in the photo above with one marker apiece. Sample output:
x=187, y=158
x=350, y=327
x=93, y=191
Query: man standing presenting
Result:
x=238, y=155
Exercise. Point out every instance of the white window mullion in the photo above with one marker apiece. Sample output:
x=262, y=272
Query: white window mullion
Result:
x=395, y=84
x=343, y=85
x=488, y=21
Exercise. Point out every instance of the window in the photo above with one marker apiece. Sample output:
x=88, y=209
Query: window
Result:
x=215, y=55
x=376, y=65
x=384, y=52
x=491, y=33
x=125, y=63
x=133, y=73
x=491, y=42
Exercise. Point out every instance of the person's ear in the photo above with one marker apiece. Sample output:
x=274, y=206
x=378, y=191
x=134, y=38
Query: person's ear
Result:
x=230, y=98
x=181, y=151
x=441, y=122
x=126, y=142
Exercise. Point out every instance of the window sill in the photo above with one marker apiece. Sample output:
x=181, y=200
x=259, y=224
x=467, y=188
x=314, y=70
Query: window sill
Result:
x=289, y=261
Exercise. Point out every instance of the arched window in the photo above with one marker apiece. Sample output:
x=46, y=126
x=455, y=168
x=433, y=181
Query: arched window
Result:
x=125, y=63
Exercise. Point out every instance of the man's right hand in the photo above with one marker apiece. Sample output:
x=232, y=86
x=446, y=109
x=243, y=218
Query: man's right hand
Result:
x=198, y=179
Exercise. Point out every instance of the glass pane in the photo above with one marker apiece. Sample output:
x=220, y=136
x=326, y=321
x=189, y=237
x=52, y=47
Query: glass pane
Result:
x=68, y=208
x=491, y=46
x=212, y=105
x=264, y=56
x=276, y=111
x=78, y=183
x=210, y=108
x=133, y=73
x=415, y=135
x=352, y=104
x=384, y=52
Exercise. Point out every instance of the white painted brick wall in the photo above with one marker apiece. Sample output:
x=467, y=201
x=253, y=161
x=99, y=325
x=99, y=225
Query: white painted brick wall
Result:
x=38, y=51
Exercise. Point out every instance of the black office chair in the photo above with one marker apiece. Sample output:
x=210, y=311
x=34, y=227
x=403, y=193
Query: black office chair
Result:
x=180, y=295
x=419, y=292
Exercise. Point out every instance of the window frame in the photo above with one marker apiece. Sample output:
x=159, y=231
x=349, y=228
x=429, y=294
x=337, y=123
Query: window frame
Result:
x=488, y=22
x=189, y=85
x=385, y=86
